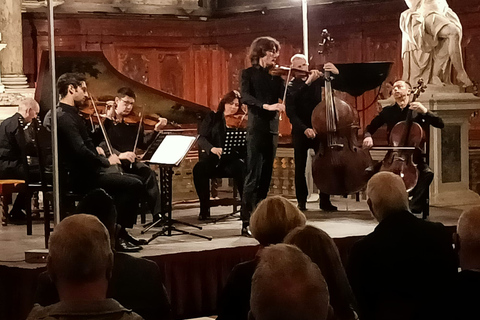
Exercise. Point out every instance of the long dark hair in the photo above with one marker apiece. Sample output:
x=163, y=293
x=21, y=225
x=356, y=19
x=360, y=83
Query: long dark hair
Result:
x=259, y=48
x=228, y=98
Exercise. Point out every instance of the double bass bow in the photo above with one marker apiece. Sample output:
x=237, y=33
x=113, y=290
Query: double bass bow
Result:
x=339, y=165
x=405, y=138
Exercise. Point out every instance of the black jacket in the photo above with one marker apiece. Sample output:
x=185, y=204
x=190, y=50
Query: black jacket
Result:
x=12, y=148
x=258, y=87
x=212, y=133
x=76, y=150
x=404, y=269
x=123, y=135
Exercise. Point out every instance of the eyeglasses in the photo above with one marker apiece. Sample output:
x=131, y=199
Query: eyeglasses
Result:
x=128, y=103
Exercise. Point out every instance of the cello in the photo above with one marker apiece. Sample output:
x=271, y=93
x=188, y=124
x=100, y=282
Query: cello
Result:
x=339, y=164
x=405, y=138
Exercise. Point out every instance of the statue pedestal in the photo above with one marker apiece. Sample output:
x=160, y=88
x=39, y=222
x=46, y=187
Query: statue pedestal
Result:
x=449, y=153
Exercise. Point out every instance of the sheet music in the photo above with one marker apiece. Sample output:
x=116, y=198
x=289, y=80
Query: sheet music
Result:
x=173, y=149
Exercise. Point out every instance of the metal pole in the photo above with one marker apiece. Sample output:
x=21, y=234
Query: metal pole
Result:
x=305, y=28
x=51, y=44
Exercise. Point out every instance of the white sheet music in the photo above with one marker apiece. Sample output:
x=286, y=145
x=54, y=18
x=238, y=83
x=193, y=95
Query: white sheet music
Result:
x=173, y=149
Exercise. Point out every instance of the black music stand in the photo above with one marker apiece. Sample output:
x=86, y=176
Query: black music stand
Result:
x=235, y=145
x=166, y=179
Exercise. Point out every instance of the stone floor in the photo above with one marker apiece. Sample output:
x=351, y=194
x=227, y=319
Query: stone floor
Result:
x=353, y=218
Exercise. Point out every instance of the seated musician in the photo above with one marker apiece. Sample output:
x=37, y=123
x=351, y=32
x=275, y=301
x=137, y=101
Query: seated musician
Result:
x=83, y=168
x=212, y=161
x=13, y=150
x=125, y=136
x=395, y=113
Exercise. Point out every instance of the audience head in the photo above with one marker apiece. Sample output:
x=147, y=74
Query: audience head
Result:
x=468, y=239
x=79, y=251
x=321, y=248
x=287, y=285
x=29, y=109
x=386, y=194
x=98, y=203
x=72, y=84
x=273, y=219
x=229, y=103
x=266, y=48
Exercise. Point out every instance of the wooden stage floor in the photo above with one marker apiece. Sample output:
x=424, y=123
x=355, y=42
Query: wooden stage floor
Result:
x=352, y=219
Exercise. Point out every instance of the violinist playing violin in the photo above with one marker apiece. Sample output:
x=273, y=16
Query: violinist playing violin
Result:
x=211, y=140
x=395, y=113
x=125, y=133
x=304, y=94
x=83, y=168
x=261, y=92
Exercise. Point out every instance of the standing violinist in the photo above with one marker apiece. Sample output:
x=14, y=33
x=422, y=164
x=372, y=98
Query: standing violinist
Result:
x=124, y=129
x=261, y=92
x=83, y=168
x=211, y=140
x=395, y=113
x=304, y=94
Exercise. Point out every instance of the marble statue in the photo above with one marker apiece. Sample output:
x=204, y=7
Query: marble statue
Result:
x=431, y=43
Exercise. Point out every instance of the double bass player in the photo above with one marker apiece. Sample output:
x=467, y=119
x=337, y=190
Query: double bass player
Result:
x=395, y=113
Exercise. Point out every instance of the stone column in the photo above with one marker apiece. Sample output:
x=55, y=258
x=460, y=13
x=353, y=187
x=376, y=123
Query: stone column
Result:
x=11, y=58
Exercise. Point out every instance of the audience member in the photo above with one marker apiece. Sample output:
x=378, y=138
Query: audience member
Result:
x=136, y=283
x=318, y=245
x=271, y=221
x=80, y=263
x=287, y=285
x=467, y=244
x=405, y=268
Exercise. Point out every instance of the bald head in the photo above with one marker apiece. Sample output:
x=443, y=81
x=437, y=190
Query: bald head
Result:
x=29, y=109
x=79, y=250
x=468, y=233
x=288, y=285
x=386, y=194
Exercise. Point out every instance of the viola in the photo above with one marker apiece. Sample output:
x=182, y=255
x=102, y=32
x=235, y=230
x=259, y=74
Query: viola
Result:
x=237, y=120
x=405, y=138
x=278, y=70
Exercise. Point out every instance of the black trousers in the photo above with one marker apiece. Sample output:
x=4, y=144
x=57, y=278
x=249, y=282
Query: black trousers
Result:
x=261, y=151
x=301, y=144
x=211, y=166
x=151, y=190
x=420, y=193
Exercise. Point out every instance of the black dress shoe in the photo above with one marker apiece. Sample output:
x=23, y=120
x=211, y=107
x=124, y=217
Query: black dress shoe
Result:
x=137, y=242
x=123, y=245
x=302, y=206
x=328, y=207
x=246, y=232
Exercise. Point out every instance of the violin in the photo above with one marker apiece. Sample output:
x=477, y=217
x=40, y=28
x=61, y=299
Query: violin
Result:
x=278, y=70
x=237, y=120
x=405, y=137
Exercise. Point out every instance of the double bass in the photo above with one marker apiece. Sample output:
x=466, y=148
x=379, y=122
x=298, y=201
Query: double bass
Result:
x=340, y=163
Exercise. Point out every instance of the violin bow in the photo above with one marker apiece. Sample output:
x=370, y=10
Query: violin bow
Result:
x=138, y=132
x=285, y=91
x=107, y=141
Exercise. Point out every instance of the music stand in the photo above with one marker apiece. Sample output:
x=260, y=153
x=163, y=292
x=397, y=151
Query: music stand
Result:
x=166, y=178
x=235, y=146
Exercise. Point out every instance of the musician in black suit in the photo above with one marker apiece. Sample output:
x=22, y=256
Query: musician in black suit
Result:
x=393, y=114
x=261, y=93
x=13, y=150
x=83, y=168
x=125, y=137
x=304, y=94
x=212, y=161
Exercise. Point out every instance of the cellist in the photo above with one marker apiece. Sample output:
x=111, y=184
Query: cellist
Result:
x=395, y=113
x=304, y=94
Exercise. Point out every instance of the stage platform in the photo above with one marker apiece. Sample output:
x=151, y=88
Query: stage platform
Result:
x=195, y=269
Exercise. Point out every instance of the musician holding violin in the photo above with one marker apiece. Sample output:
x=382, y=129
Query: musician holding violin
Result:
x=393, y=114
x=211, y=140
x=126, y=133
x=83, y=168
x=304, y=94
x=261, y=92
